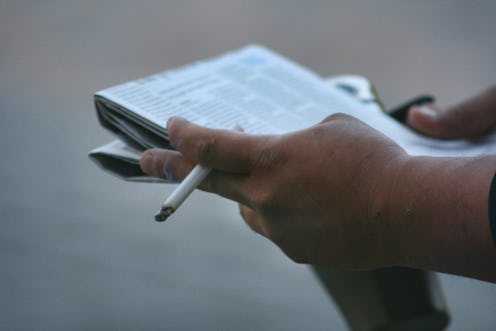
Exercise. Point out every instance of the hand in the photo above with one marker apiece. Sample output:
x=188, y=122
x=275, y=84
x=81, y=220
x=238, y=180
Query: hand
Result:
x=320, y=194
x=468, y=119
x=340, y=193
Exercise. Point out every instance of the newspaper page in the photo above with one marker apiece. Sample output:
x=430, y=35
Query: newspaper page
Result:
x=264, y=92
x=254, y=87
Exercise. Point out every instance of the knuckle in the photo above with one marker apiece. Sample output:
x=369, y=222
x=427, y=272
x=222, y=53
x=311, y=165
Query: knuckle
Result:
x=262, y=199
x=158, y=166
x=269, y=200
x=253, y=222
x=270, y=156
x=204, y=149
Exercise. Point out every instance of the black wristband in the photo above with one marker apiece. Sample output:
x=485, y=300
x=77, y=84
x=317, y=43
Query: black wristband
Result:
x=492, y=208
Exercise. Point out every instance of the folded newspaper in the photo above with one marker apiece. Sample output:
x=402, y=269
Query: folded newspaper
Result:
x=252, y=87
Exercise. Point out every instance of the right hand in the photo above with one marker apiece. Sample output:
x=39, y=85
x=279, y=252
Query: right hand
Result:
x=321, y=194
x=469, y=119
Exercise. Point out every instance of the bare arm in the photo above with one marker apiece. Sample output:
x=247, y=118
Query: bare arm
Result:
x=461, y=183
x=342, y=194
x=440, y=206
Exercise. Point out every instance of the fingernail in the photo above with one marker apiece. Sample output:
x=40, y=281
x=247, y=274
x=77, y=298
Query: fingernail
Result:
x=175, y=118
x=173, y=139
x=170, y=120
x=428, y=112
x=147, y=162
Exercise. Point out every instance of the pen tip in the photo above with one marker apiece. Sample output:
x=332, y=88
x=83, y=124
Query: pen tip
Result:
x=164, y=213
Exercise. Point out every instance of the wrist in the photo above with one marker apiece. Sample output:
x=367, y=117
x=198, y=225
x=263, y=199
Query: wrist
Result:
x=383, y=203
x=401, y=206
x=419, y=192
x=438, y=213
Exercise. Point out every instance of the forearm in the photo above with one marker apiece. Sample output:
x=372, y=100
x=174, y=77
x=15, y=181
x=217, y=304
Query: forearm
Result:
x=440, y=210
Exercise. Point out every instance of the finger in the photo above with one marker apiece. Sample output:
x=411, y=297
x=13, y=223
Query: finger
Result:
x=174, y=167
x=229, y=185
x=167, y=164
x=252, y=219
x=220, y=149
x=471, y=118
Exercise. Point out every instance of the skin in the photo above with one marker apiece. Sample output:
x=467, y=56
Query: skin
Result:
x=340, y=193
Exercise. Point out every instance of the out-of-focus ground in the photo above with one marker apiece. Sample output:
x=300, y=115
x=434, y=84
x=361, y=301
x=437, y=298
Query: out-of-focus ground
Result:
x=79, y=249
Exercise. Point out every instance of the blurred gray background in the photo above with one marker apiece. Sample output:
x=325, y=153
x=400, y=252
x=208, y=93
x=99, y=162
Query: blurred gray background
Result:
x=79, y=249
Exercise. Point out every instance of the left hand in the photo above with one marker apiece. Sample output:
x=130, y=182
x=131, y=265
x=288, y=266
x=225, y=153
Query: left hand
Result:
x=471, y=118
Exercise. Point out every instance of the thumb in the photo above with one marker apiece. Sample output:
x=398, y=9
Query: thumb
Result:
x=468, y=119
